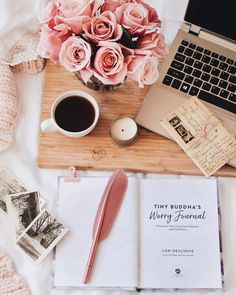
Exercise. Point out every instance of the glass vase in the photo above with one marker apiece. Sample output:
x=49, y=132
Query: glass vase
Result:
x=95, y=84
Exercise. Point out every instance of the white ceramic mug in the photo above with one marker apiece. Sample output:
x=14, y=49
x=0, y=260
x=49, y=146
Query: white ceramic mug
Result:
x=50, y=125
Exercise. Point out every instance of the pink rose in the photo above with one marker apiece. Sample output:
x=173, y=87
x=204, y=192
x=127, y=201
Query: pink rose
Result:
x=50, y=15
x=75, y=54
x=109, y=64
x=143, y=69
x=103, y=27
x=111, y=5
x=51, y=41
x=76, y=12
x=155, y=43
x=138, y=18
x=49, y=12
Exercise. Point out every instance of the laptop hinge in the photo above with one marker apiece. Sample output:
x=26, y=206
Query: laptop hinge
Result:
x=194, y=30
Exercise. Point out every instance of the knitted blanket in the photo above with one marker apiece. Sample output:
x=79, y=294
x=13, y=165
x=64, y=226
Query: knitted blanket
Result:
x=10, y=281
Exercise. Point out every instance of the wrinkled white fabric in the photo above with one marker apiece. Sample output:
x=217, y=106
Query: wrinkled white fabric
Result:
x=21, y=159
x=19, y=27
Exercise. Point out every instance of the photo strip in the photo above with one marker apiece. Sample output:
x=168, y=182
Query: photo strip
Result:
x=22, y=209
x=8, y=185
x=41, y=236
x=174, y=121
x=179, y=127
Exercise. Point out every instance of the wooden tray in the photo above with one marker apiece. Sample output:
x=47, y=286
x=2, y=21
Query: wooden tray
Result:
x=96, y=151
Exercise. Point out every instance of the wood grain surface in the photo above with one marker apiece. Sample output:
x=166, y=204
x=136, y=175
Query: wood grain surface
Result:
x=150, y=153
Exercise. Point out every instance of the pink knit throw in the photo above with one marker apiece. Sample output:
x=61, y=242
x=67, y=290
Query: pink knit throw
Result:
x=10, y=282
x=9, y=107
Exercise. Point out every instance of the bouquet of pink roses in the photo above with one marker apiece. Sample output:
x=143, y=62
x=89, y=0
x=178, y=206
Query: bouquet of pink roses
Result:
x=107, y=40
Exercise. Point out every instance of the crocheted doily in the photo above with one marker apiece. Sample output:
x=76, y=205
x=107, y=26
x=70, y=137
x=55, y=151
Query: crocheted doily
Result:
x=19, y=51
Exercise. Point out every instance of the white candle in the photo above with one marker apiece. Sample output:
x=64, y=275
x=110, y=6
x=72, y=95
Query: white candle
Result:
x=124, y=131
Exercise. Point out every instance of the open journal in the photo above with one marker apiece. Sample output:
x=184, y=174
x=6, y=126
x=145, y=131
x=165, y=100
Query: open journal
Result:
x=166, y=235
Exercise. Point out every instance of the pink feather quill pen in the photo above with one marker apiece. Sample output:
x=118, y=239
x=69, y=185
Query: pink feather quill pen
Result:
x=106, y=214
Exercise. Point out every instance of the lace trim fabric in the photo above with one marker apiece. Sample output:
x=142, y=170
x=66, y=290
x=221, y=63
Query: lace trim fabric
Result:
x=19, y=51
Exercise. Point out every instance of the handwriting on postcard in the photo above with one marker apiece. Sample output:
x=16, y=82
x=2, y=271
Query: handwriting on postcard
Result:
x=201, y=135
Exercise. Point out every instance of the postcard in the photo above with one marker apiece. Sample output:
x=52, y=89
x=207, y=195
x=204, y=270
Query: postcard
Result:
x=201, y=135
x=23, y=208
x=8, y=185
x=41, y=236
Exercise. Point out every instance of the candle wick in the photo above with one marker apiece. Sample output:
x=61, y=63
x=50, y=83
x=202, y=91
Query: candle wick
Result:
x=122, y=129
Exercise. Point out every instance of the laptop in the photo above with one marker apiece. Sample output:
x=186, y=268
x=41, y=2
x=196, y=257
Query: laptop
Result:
x=201, y=62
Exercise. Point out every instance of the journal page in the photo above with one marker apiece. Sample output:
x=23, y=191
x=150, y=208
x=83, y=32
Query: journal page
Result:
x=179, y=234
x=115, y=262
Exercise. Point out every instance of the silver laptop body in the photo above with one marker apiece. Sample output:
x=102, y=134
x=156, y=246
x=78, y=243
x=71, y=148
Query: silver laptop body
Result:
x=180, y=80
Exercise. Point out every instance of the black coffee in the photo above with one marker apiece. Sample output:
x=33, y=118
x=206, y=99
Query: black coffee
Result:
x=74, y=114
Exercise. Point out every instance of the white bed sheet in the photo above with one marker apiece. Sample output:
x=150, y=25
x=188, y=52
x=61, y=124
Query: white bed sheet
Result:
x=21, y=159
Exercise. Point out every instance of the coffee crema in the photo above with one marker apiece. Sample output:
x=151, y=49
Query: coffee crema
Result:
x=74, y=114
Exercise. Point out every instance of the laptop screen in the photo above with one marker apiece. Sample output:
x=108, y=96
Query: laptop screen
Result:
x=218, y=16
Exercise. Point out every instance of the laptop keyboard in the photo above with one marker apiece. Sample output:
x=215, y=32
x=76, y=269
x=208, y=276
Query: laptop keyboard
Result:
x=209, y=76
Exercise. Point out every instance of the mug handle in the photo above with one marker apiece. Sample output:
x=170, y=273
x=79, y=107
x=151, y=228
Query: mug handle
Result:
x=48, y=125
